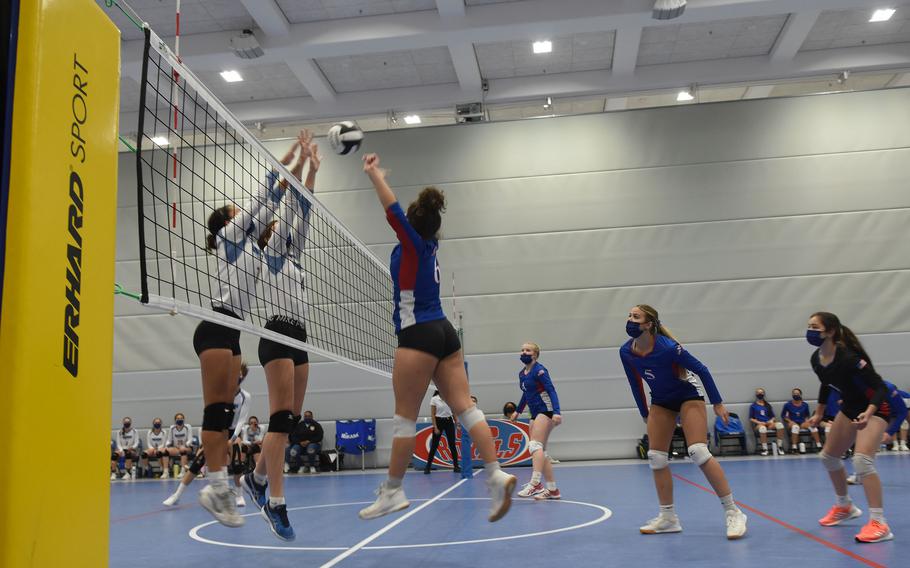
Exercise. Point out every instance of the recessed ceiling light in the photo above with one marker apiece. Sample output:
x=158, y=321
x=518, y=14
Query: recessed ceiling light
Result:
x=231, y=76
x=160, y=141
x=685, y=95
x=882, y=15
x=545, y=46
x=412, y=119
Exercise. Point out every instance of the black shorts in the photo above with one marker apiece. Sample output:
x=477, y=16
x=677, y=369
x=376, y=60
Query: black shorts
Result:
x=270, y=350
x=547, y=413
x=676, y=405
x=438, y=338
x=852, y=413
x=210, y=335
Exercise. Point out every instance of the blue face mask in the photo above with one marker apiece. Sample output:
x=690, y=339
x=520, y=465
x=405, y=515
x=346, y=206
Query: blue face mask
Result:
x=797, y=397
x=526, y=359
x=157, y=425
x=814, y=337
x=633, y=329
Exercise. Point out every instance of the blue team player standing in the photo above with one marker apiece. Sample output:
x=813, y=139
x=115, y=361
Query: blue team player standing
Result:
x=654, y=356
x=540, y=397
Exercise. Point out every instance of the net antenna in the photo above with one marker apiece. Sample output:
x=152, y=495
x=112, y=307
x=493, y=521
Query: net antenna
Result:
x=457, y=316
x=344, y=292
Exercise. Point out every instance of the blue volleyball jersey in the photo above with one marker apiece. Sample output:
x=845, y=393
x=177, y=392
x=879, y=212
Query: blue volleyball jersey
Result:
x=415, y=273
x=798, y=414
x=898, y=408
x=761, y=412
x=662, y=369
x=537, y=391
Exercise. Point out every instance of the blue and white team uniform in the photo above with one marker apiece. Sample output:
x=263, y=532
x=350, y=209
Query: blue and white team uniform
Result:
x=537, y=392
x=798, y=414
x=761, y=412
x=419, y=320
x=666, y=371
x=283, y=283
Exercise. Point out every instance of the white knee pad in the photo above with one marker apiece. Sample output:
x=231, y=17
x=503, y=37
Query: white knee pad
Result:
x=403, y=428
x=658, y=460
x=470, y=417
x=794, y=429
x=535, y=446
x=762, y=429
x=831, y=463
x=813, y=429
x=905, y=425
x=779, y=426
x=827, y=429
x=863, y=465
x=699, y=453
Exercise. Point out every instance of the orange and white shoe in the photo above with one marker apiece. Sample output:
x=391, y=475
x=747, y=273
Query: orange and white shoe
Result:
x=837, y=515
x=551, y=494
x=874, y=531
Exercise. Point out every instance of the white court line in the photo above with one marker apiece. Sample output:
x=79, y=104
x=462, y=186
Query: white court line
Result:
x=387, y=528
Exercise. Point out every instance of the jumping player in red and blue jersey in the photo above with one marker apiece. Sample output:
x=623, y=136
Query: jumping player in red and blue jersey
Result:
x=428, y=347
x=654, y=356
x=538, y=394
x=841, y=363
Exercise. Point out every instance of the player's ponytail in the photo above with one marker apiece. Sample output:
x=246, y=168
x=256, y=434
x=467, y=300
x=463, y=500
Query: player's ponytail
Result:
x=657, y=328
x=217, y=220
x=425, y=214
x=842, y=335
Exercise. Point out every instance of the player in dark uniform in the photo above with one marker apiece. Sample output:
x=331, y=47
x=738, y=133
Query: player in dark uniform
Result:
x=842, y=364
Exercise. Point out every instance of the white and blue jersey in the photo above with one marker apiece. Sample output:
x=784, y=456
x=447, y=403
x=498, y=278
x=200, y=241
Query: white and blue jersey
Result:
x=537, y=391
x=798, y=414
x=241, y=413
x=898, y=408
x=283, y=276
x=237, y=253
x=665, y=369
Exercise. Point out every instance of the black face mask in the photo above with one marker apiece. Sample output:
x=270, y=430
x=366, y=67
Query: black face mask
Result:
x=157, y=425
x=178, y=422
x=760, y=396
x=797, y=397
x=126, y=425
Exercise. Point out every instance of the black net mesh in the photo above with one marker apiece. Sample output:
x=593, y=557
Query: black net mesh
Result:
x=194, y=157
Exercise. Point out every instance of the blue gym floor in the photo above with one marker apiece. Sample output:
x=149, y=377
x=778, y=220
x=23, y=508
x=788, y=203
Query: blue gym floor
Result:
x=596, y=523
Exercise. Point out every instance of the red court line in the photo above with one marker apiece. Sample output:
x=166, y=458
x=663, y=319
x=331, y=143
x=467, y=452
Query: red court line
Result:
x=786, y=525
x=150, y=513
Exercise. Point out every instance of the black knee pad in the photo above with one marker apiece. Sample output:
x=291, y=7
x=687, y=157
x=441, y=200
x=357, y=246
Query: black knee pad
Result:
x=217, y=417
x=197, y=463
x=282, y=422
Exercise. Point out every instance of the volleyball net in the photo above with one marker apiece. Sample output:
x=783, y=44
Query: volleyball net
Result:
x=193, y=157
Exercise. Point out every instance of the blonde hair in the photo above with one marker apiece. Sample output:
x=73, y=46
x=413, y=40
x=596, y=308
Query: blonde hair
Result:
x=657, y=328
x=533, y=346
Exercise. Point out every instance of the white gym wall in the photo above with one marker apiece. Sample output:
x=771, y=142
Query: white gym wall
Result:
x=736, y=220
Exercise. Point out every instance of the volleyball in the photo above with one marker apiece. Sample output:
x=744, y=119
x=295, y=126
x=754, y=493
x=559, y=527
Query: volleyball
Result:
x=345, y=137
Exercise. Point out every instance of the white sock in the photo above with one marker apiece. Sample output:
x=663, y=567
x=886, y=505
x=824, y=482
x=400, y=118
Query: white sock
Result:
x=843, y=500
x=877, y=514
x=551, y=486
x=180, y=489
x=491, y=468
x=764, y=446
x=728, y=503
x=535, y=477
x=393, y=482
x=218, y=478
x=275, y=501
x=260, y=479
x=667, y=510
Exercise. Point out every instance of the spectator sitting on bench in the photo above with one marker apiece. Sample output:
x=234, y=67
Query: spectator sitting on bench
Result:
x=180, y=440
x=795, y=414
x=251, y=441
x=127, y=448
x=761, y=415
x=156, y=447
x=305, y=445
